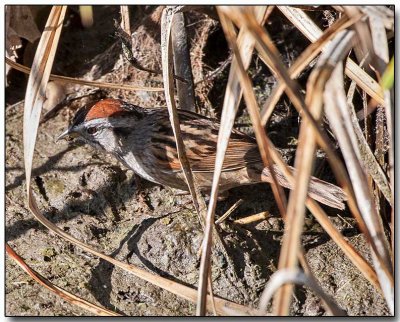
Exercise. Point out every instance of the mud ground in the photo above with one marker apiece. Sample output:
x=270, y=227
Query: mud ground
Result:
x=94, y=198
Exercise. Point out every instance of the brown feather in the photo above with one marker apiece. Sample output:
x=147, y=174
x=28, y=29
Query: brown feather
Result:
x=105, y=108
x=242, y=149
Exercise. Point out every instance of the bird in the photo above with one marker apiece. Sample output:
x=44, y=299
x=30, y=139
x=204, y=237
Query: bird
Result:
x=143, y=140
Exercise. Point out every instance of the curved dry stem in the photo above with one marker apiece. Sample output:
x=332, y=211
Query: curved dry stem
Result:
x=291, y=276
x=67, y=296
x=71, y=80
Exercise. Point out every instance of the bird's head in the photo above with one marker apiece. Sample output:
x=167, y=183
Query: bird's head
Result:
x=102, y=124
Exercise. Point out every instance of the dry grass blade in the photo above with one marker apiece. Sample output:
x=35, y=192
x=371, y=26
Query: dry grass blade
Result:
x=285, y=276
x=182, y=64
x=382, y=13
x=166, y=25
x=260, y=135
x=214, y=309
x=381, y=61
x=312, y=32
x=86, y=13
x=380, y=18
x=262, y=140
x=71, y=80
x=125, y=21
x=363, y=44
x=302, y=62
x=229, y=109
x=296, y=207
x=34, y=99
x=339, y=118
x=69, y=297
x=36, y=88
x=304, y=161
x=371, y=165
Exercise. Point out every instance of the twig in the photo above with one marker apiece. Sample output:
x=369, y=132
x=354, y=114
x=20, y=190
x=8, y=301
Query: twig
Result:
x=182, y=65
x=211, y=75
x=71, y=80
x=229, y=211
x=249, y=219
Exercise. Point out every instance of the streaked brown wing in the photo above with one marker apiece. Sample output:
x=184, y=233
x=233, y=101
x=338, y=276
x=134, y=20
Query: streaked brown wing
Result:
x=200, y=136
x=238, y=155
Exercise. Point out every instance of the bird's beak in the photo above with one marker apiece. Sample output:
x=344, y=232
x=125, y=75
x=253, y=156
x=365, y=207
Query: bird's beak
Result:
x=67, y=134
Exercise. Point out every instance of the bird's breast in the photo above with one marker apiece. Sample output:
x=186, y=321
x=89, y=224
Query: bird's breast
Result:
x=138, y=165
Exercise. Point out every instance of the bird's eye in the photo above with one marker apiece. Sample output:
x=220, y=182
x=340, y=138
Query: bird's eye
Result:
x=92, y=130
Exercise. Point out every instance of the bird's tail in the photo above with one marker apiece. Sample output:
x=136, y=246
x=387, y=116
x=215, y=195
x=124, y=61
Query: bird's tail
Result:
x=320, y=190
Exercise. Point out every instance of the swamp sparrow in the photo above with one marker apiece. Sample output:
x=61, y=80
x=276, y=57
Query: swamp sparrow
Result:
x=143, y=140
